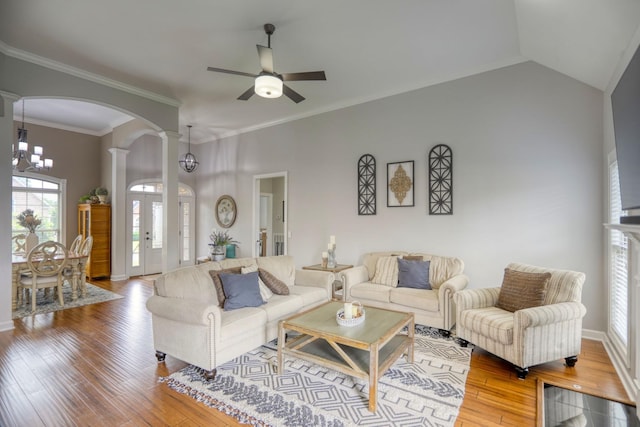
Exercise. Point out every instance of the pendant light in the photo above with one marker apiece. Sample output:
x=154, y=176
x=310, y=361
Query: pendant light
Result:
x=188, y=162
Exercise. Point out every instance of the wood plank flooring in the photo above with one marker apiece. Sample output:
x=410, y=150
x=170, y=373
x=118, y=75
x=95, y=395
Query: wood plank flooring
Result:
x=95, y=366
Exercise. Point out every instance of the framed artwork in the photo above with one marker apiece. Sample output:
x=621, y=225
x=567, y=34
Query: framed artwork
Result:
x=226, y=211
x=367, y=185
x=400, y=184
x=440, y=180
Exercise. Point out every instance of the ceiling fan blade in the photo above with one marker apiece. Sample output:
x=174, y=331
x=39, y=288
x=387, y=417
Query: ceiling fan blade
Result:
x=292, y=94
x=248, y=94
x=309, y=75
x=266, y=58
x=222, y=70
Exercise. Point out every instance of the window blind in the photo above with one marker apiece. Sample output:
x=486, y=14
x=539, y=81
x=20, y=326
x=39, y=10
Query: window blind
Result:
x=618, y=262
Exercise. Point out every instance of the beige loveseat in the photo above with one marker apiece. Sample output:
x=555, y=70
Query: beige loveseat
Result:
x=432, y=307
x=190, y=325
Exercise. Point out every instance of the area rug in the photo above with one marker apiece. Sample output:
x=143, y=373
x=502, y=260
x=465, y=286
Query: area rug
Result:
x=428, y=392
x=48, y=304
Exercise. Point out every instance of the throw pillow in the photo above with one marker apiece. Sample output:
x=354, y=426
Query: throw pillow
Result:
x=386, y=271
x=413, y=274
x=241, y=290
x=413, y=258
x=265, y=292
x=521, y=289
x=218, y=284
x=276, y=285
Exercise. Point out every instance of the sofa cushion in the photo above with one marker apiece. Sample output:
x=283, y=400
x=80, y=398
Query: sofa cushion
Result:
x=281, y=306
x=386, y=271
x=186, y=283
x=416, y=298
x=413, y=274
x=282, y=267
x=273, y=283
x=413, y=257
x=241, y=290
x=234, y=323
x=265, y=292
x=442, y=268
x=217, y=283
x=492, y=322
x=370, y=291
x=310, y=294
x=522, y=289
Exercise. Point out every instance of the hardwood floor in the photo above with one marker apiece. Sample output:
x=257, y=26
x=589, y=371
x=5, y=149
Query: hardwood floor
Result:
x=95, y=366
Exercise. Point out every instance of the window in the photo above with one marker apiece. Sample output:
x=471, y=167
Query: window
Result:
x=618, y=265
x=45, y=195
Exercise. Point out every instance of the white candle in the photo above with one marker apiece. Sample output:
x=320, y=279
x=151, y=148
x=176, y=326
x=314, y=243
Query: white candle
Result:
x=325, y=254
x=348, y=310
x=332, y=240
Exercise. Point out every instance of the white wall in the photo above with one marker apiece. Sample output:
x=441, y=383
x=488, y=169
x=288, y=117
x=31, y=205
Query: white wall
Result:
x=527, y=146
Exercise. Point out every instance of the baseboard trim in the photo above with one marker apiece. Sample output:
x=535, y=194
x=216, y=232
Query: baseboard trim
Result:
x=7, y=326
x=119, y=277
x=629, y=384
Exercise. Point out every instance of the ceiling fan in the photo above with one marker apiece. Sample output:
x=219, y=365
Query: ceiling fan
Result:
x=268, y=83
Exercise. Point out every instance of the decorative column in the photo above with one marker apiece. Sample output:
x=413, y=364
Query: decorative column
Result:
x=6, y=135
x=171, y=233
x=118, y=213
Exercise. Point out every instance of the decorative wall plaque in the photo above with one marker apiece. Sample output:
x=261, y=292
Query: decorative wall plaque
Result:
x=400, y=184
x=440, y=180
x=367, y=185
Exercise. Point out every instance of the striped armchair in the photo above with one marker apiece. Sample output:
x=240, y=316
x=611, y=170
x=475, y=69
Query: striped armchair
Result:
x=529, y=336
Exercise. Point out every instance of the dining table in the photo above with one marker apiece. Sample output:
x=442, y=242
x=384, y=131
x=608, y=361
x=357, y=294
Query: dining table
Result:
x=75, y=261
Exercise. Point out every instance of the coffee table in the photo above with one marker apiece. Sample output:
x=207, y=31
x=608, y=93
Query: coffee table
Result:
x=365, y=351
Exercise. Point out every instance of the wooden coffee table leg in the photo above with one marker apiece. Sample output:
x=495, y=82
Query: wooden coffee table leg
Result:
x=373, y=377
x=412, y=330
x=281, y=343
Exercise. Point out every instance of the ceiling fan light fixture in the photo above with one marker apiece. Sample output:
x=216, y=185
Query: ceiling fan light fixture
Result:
x=268, y=86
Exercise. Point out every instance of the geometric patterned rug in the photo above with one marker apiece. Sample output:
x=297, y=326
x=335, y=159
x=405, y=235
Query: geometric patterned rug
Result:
x=428, y=392
x=47, y=304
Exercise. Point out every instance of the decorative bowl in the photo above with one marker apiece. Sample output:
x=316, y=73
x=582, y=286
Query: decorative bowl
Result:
x=349, y=322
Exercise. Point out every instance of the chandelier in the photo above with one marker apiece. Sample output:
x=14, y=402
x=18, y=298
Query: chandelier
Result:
x=189, y=162
x=23, y=159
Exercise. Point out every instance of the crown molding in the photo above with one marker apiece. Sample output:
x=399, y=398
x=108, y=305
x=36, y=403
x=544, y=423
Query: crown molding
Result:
x=77, y=72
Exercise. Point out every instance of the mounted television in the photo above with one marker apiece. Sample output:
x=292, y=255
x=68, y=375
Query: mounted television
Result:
x=625, y=102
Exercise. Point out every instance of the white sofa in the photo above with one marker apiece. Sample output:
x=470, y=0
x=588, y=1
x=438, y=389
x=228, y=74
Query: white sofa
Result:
x=190, y=325
x=433, y=307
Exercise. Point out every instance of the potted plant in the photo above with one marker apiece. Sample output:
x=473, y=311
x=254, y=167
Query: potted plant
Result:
x=102, y=194
x=219, y=242
x=29, y=220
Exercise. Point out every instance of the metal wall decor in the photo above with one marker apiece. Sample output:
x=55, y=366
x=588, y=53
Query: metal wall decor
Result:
x=400, y=184
x=367, y=185
x=440, y=180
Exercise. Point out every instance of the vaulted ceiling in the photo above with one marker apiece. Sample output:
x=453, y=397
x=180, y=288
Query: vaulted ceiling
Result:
x=368, y=48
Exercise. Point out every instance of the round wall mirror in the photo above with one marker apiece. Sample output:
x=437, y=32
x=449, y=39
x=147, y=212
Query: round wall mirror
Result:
x=226, y=211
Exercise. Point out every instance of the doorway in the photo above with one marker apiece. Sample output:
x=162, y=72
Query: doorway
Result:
x=144, y=228
x=270, y=214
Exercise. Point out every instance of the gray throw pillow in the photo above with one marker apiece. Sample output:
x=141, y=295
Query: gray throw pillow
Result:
x=241, y=290
x=413, y=274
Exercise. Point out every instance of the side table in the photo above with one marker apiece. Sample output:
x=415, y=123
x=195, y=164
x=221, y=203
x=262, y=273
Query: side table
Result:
x=338, y=284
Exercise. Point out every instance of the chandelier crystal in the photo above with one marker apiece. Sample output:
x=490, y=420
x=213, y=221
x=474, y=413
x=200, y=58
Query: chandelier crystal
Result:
x=188, y=162
x=24, y=160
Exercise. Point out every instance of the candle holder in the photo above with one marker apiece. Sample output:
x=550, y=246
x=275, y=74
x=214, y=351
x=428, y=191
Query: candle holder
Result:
x=331, y=257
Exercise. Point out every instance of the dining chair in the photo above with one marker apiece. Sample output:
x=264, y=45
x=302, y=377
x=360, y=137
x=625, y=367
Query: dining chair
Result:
x=75, y=245
x=19, y=242
x=46, y=264
x=85, y=249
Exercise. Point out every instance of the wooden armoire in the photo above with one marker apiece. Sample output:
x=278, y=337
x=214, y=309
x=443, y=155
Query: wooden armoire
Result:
x=95, y=220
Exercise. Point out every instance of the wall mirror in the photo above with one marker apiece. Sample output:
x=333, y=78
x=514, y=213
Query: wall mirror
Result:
x=226, y=211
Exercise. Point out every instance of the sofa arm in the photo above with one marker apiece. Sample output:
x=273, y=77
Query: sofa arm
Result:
x=319, y=279
x=354, y=275
x=184, y=310
x=548, y=314
x=476, y=298
x=451, y=286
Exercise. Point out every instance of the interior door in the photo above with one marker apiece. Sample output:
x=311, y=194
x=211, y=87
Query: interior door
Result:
x=270, y=214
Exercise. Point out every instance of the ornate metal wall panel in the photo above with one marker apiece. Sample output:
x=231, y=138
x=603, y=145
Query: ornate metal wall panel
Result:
x=440, y=180
x=367, y=185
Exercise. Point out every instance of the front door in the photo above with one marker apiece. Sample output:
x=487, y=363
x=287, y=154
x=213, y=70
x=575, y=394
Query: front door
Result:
x=145, y=234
